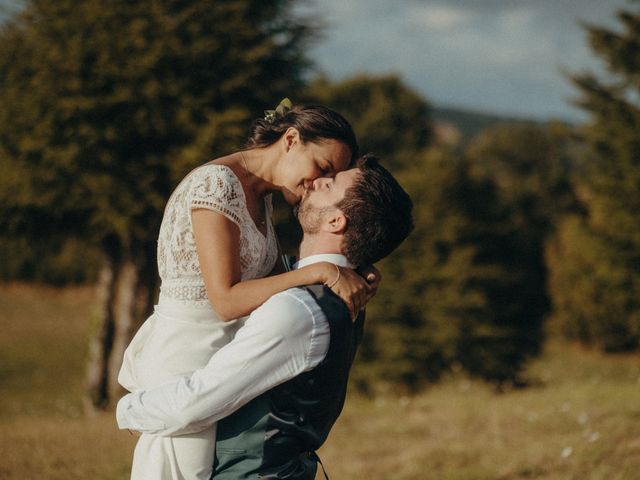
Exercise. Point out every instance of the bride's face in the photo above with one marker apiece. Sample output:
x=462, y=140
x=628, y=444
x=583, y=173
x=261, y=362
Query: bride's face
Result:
x=305, y=162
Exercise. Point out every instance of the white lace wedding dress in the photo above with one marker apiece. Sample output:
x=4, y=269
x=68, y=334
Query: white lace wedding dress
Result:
x=184, y=331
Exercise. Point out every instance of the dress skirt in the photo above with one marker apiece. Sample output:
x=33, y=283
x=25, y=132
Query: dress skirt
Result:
x=177, y=339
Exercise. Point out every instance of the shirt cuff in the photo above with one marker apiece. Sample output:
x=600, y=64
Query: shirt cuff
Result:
x=122, y=410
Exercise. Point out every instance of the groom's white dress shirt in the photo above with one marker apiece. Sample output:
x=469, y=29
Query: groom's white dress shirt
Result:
x=287, y=335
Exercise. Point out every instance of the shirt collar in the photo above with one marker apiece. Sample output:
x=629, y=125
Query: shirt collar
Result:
x=334, y=258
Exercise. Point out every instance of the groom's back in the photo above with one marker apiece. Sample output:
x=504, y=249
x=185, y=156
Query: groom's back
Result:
x=275, y=435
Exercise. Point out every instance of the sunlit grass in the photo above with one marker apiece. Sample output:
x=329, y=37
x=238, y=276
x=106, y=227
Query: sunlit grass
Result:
x=581, y=420
x=43, y=345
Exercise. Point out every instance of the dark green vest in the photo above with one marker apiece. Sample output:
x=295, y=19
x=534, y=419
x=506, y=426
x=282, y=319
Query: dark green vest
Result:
x=275, y=436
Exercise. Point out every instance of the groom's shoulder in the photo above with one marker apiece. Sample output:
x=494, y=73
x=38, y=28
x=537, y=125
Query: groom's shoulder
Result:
x=294, y=308
x=295, y=301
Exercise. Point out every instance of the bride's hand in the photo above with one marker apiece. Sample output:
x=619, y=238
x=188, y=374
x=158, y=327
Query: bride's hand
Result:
x=372, y=275
x=352, y=288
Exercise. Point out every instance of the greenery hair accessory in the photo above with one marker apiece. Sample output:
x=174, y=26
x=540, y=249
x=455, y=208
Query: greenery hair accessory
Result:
x=281, y=110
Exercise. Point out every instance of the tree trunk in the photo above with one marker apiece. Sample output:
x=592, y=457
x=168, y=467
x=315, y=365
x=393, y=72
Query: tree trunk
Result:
x=101, y=343
x=149, y=281
x=126, y=320
x=126, y=292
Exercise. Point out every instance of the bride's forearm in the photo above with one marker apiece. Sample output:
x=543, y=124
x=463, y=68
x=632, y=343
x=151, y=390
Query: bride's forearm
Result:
x=244, y=297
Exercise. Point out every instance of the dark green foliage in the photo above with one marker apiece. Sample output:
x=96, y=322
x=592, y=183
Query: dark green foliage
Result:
x=51, y=261
x=589, y=284
x=595, y=261
x=455, y=292
x=529, y=166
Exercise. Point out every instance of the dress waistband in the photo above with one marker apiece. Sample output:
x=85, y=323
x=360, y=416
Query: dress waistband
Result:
x=176, y=310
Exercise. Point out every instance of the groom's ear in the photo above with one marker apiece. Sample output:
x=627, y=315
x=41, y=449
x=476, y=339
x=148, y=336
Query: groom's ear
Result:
x=335, y=221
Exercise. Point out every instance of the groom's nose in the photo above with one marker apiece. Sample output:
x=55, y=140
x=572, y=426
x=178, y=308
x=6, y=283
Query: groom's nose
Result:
x=317, y=183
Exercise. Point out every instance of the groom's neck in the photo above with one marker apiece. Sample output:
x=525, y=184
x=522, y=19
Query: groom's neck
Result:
x=319, y=244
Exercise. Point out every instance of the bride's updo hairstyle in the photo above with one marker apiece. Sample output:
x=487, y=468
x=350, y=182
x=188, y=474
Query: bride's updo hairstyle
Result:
x=314, y=123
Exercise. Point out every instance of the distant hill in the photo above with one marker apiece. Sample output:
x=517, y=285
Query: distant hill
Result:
x=469, y=122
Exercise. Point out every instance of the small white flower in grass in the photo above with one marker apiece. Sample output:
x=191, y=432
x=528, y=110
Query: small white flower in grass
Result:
x=594, y=437
x=566, y=452
x=464, y=386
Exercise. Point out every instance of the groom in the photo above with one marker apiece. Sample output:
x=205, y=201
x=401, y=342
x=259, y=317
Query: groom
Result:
x=280, y=385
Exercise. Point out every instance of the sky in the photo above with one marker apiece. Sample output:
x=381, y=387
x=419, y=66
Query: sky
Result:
x=507, y=57
x=495, y=56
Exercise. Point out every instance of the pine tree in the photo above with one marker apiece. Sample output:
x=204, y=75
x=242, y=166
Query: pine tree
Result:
x=596, y=262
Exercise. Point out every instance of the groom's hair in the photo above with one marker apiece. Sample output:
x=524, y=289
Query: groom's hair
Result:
x=378, y=213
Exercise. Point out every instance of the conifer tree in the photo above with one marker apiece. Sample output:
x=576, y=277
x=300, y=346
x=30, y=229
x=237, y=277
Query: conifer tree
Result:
x=595, y=262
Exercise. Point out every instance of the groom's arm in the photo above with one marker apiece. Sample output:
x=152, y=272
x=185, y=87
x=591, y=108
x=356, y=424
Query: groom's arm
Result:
x=286, y=336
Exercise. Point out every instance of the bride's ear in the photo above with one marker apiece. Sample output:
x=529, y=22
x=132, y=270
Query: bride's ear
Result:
x=290, y=138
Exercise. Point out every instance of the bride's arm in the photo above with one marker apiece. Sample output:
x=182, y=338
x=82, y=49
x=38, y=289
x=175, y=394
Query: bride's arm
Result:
x=218, y=246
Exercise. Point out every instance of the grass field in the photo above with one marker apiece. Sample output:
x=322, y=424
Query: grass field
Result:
x=580, y=421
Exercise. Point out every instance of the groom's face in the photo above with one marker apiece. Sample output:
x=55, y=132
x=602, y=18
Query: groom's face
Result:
x=322, y=197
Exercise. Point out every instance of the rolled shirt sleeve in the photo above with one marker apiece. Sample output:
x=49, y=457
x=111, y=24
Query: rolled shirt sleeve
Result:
x=287, y=335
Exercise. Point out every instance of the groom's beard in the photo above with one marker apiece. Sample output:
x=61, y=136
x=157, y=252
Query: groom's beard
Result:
x=310, y=217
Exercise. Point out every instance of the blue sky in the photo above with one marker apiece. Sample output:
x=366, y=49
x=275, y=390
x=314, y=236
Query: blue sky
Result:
x=498, y=56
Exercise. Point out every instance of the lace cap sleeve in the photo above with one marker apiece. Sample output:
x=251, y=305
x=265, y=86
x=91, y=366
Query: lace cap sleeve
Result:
x=216, y=188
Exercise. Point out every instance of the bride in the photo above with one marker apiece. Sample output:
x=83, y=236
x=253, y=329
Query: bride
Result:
x=217, y=253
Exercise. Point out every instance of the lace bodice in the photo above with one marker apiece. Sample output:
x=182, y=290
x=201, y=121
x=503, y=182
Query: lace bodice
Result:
x=214, y=187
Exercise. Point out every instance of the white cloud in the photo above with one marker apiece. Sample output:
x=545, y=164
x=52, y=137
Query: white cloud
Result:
x=438, y=17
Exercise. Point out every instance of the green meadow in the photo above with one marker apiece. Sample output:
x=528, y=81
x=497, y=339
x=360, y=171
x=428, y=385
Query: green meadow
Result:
x=580, y=418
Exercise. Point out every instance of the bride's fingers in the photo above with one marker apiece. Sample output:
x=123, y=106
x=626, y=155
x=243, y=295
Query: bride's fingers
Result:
x=372, y=275
x=352, y=311
x=354, y=290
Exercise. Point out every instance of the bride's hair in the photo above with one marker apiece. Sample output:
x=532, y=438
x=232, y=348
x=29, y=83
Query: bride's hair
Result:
x=313, y=122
